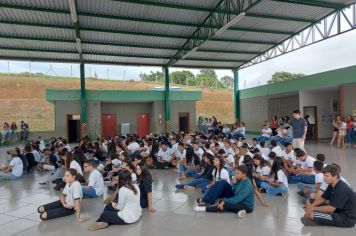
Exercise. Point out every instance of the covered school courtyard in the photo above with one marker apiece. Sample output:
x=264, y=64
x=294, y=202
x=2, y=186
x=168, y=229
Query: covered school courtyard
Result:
x=217, y=34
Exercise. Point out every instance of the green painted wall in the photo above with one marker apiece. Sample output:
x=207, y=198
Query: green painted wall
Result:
x=122, y=95
x=324, y=79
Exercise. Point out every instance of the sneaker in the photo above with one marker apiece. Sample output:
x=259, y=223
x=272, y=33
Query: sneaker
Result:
x=241, y=214
x=98, y=225
x=200, y=208
x=262, y=190
x=187, y=187
x=179, y=186
x=200, y=202
x=308, y=222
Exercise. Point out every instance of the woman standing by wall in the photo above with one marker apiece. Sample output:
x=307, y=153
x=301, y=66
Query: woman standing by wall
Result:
x=336, y=126
x=274, y=125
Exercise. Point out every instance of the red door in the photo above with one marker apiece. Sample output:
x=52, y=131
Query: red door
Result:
x=108, y=122
x=143, y=124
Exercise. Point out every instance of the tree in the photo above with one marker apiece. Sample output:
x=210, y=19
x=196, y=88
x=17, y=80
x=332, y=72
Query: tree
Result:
x=181, y=77
x=284, y=76
x=207, y=77
x=227, y=81
x=153, y=76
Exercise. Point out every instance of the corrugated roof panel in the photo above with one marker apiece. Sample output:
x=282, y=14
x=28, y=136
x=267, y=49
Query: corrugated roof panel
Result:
x=212, y=64
x=35, y=16
x=229, y=34
x=87, y=48
x=205, y=3
x=270, y=24
x=233, y=46
x=134, y=26
x=130, y=39
x=290, y=10
x=39, y=32
x=227, y=56
x=125, y=9
x=39, y=55
x=123, y=60
x=58, y=4
x=35, y=44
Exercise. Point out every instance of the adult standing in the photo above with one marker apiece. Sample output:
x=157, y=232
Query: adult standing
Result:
x=24, y=130
x=300, y=128
x=336, y=126
x=274, y=125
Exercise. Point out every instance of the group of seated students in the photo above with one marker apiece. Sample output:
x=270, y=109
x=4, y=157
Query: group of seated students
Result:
x=281, y=134
x=229, y=170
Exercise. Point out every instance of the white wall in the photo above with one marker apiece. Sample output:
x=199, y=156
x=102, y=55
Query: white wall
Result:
x=323, y=101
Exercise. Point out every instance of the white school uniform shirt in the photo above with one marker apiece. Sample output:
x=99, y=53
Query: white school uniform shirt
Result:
x=264, y=171
x=226, y=130
x=165, y=155
x=224, y=175
x=242, y=130
x=37, y=155
x=264, y=153
x=128, y=204
x=307, y=163
x=289, y=156
x=16, y=166
x=175, y=147
x=229, y=151
x=69, y=149
x=133, y=177
x=319, y=178
x=230, y=159
x=266, y=130
x=277, y=150
x=75, y=165
x=97, y=182
x=72, y=192
x=180, y=155
x=133, y=147
x=242, y=157
x=42, y=145
x=200, y=153
x=282, y=178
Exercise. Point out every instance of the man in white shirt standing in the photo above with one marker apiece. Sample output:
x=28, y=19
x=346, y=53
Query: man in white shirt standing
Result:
x=14, y=169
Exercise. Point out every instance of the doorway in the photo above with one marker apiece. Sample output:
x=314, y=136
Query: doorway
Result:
x=311, y=115
x=143, y=124
x=108, y=122
x=183, y=121
x=73, y=128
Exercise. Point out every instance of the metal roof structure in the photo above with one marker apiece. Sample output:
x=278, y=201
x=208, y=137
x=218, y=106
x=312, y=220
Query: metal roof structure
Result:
x=220, y=34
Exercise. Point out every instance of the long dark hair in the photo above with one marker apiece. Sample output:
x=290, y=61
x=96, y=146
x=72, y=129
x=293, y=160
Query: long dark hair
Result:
x=79, y=156
x=68, y=160
x=145, y=173
x=221, y=166
x=277, y=165
x=125, y=180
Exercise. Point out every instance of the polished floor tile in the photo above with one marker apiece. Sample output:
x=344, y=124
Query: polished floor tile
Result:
x=175, y=216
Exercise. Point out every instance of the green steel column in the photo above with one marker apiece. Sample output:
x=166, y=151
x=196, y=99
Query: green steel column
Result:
x=236, y=95
x=167, y=105
x=83, y=101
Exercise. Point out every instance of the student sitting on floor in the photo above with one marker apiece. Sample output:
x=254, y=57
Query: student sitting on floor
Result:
x=262, y=170
x=95, y=187
x=288, y=157
x=164, y=157
x=127, y=210
x=277, y=184
x=180, y=155
x=238, y=197
x=266, y=133
x=264, y=150
x=306, y=189
x=275, y=148
x=14, y=169
x=337, y=205
x=51, y=162
x=303, y=172
x=69, y=202
x=144, y=180
x=204, y=178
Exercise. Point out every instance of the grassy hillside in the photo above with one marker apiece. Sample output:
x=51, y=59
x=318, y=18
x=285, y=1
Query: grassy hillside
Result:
x=23, y=98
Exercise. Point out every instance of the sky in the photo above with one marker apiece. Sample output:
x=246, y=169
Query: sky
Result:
x=333, y=53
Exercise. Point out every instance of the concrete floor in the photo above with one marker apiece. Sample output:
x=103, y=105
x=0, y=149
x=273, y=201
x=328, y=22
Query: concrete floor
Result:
x=20, y=199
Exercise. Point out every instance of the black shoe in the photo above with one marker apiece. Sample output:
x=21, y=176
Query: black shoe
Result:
x=112, y=188
x=262, y=190
x=308, y=222
x=301, y=193
x=200, y=202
